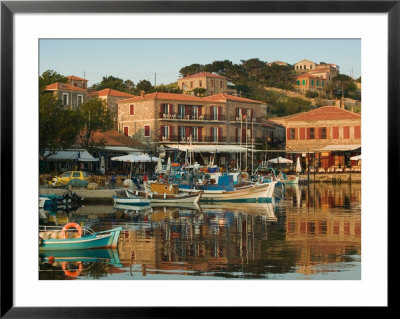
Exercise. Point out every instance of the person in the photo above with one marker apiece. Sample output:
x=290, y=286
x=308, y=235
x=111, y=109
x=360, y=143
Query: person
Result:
x=112, y=181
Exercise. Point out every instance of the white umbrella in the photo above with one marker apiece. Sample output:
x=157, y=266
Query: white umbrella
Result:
x=169, y=165
x=280, y=160
x=131, y=158
x=355, y=158
x=298, y=166
x=159, y=166
x=102, y=166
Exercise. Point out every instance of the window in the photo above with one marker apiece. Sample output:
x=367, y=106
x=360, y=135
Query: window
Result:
x=304, y=82
x=357, y=131
x=302, y=133
x=66, y=174
x=126, y=130
x=346, y=132
x=147, y=130
x=298, y=82
x=310, y=67
x=336, y=132
x=311, y=133
x=131, y=109
x=76, y=174
x=191, y=84
x=322, y=133
x=305, y=67
x=317, y=82
x=214, y=134
x=300, y=67
x=322, y=83
x=65, y=99
x=212, y=83
x=312, y=82
x=214, y=113
x=220, y=85
x=200, y=83
x=181, y=110
x=80, y=99
x=291, y=133
x=195, y=134
x=165, y=131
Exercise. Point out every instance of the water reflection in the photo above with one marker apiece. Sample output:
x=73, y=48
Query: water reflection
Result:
x=308, y=232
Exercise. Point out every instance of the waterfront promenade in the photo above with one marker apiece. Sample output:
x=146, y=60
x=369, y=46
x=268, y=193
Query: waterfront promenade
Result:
x=105, y=194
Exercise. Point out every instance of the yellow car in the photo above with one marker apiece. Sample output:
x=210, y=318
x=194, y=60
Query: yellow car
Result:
x=67, y=176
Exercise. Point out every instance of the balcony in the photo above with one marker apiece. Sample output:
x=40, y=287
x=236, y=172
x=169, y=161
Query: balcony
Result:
x=203, y=117
x=250, y=120
x=199, y=139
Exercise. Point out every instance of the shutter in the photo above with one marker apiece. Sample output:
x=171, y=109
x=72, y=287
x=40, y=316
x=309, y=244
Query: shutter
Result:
x=288, y=134
x=219, y=113
x=211, y=133
x=236, y=135
x=187, y=110
x=161, y=108
x=199, y=134
x=170, y=108
x=171, y=131
x=162, y=130
x=243, y=135
x=252, y=113
x=200, y=109
x=187, y=131
x=219, y=134
x=237, y=112
x=319, y=134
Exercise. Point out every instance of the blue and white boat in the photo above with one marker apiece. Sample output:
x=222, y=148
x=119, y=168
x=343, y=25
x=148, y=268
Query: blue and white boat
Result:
x=79, y=237
x=138, y=201
x=224, y=191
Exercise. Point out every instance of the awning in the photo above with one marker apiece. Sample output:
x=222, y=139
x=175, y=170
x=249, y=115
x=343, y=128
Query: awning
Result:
x=355, y=158
x=73, y=155
x=349, y=147
x=131, y=158
x=208, y=148
x=124, y=149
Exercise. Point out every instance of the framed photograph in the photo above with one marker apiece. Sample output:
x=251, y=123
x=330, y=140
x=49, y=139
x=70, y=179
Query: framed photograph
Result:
x=315, y=244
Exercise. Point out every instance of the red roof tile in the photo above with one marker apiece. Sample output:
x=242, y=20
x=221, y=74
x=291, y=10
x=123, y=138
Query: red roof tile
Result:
x=113, y=138
x=73, y=77
x=203, y=74
x=165, y=96
x=226, y=97
x=63, y=87
x=325, y=113
x=111, y=92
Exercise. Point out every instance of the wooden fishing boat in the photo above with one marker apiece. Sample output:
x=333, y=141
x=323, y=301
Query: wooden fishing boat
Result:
x=139, y=201
x=225, y=192
x=166, y=198
x=73, y=236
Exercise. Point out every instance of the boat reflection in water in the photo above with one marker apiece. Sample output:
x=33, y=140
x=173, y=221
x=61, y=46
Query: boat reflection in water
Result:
x=312, y=232
x=70, y=264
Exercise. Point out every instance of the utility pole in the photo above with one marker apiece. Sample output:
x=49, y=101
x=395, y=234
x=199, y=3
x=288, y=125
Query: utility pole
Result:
x=155, y=81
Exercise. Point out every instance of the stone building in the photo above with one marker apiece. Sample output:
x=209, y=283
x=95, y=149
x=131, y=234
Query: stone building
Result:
x=305, y=66
x=273, y=132
x=77, y=81
x=330, y=132
x=212, y=83
x=111, y=97
x=309, y=82
x=162, y=118
x=71, y=96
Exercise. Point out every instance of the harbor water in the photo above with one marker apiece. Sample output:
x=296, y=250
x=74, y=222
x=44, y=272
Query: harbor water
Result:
x=308, y=232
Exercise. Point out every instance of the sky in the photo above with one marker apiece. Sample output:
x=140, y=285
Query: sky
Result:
x=159, y=60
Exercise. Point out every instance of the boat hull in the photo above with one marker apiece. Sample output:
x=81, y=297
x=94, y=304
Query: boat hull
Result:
x=100, y=240
x=160, y=198
x=131, y=201
x=252, y=194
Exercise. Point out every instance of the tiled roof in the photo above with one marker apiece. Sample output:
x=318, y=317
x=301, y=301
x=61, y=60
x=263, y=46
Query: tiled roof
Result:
x=113, y=138
x=73, y=77
x=324, y=113
x=225, y=97
x=111, y=92
x=63, y=87
x=165, y=96
x=203, y=74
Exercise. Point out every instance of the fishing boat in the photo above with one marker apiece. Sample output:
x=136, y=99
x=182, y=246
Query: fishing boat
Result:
x=74, y=236
x=166, y=198
x=138, y=201
x=270, y=174
x=225, y=191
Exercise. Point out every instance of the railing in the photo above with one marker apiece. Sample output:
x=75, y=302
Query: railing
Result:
x=249, y=120
x=203, y=117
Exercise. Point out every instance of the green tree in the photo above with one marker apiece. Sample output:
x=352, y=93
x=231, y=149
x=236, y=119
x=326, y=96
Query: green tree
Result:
x=129, y=86
x=50, y=77
x=145, y=86
x=219, y=67
x=94, y=116
x=199, y=91
x=58, y=127
x=191, y=69
x=110, y=82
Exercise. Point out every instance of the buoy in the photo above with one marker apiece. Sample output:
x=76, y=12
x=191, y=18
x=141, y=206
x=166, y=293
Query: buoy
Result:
x=51, y=259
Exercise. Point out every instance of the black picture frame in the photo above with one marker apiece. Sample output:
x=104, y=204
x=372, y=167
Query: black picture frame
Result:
x=9, y=8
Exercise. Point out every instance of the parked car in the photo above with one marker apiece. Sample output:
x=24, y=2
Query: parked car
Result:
x=67, y=176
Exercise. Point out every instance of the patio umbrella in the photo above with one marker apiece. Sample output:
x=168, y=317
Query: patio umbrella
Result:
x=159, y=166
x=298, y=166
x=131, y=158
x=169, y=165
x=355, y=158
x=280, y=160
